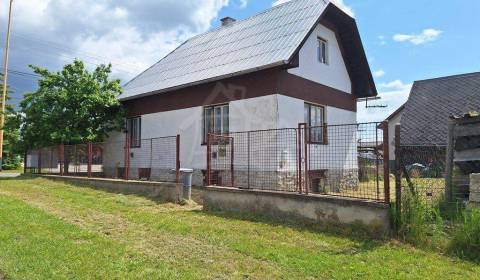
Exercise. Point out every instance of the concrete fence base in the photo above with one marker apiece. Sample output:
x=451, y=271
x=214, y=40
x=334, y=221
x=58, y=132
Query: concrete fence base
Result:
x=170, y=192
x=372, y=216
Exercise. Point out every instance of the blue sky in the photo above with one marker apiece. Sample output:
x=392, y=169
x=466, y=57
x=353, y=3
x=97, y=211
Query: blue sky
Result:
x=455, y=50
x=404, y=40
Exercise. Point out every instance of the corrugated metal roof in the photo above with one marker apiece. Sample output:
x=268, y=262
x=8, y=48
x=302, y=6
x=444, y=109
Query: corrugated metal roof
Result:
x=264, y=40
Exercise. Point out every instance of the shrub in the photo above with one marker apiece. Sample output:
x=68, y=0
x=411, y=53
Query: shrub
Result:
x=421, y=224
x=466, y=237
x=11, y=163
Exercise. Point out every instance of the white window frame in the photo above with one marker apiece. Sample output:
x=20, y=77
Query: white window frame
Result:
x=220, y=129
x=134, y=131
x=317, y=129
x=322, y=51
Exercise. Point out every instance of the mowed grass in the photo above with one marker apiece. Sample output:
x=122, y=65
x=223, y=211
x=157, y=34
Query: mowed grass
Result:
x=52, y=230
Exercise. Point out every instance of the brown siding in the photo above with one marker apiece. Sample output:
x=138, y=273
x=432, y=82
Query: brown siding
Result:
x=297, y=87
x=262, y=83
x=252, y=85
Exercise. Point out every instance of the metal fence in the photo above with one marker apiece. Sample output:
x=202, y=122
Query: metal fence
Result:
x=339, y=160
x=422, y=170
x=155, y=159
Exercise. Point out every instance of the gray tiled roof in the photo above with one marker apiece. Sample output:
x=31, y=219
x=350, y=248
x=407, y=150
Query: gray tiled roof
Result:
x=264, y=40
x=432, y=102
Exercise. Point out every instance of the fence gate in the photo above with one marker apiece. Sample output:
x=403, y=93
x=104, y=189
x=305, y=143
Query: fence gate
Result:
x=339, y=160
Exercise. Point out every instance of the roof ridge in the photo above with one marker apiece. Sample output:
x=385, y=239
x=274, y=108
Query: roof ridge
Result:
x=236, y=22
x=450, y=77
x=214, y=30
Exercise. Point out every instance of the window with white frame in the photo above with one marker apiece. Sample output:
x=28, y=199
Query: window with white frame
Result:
x=322, y=51
x=215, y=120
x=315, y=120
x=134, y=131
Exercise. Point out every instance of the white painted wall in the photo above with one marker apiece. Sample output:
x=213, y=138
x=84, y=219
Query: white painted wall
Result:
x=391, y=134
x=269, y=151
x=248, y=114
x=341, y=152
x=334, y=74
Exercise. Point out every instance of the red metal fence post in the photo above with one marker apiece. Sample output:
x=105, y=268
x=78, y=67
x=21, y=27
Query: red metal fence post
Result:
x=306, y=140
x=209, y=160
x=177, y=165
x=386, y=161
x=127, y=158
x=398, y=175
x=62, y=158
x=89, y=159
x=39, y=161
x=232, y=163
x=25, y=159
x=248, y=160
x=299, y=156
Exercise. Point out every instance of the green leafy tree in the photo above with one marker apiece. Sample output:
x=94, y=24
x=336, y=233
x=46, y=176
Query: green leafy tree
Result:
x=12, y=151
x=71, y=106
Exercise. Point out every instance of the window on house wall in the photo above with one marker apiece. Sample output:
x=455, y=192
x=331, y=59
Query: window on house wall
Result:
x=315, y=119
x=134, y=131
x=322, y=51
x=215, y=120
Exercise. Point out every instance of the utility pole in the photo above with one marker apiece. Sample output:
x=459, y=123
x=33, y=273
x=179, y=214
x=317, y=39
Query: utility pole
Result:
x=3, y=100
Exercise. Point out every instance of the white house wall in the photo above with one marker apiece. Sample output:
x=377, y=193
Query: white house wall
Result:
x=248, y=114
x=391, y=134
x=341, y=151
x=334, y=74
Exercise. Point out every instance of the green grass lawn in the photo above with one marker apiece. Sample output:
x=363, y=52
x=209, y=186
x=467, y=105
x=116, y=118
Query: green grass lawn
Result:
x=52, y=230
x=19, y=170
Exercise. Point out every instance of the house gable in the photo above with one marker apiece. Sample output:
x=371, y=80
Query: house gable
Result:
x=334, y=73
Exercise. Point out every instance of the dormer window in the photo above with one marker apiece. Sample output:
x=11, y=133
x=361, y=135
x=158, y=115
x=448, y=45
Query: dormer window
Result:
x=322, y=51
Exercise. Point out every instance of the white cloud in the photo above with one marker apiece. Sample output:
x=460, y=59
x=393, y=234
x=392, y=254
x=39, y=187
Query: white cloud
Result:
x=132, y=34
x=427, y=35
x=393, y=94
x=379, y=73
x=339, y=3
x=243, y=3
x=381, y=40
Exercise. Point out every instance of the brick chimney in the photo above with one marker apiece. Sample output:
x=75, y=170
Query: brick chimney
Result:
x=227, y=21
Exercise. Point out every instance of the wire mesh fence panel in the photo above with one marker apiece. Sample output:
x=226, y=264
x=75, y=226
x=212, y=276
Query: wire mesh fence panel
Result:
x=340, y=160
x=164, y=160
x=265, y=160
x=155, y=159
x=75, y=162
x=423, y=170
x=32, y=161
x=114, y=159
x=346, y=160
x=97, y=160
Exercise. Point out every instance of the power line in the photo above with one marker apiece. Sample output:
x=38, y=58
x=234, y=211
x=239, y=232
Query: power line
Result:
x=58, y=46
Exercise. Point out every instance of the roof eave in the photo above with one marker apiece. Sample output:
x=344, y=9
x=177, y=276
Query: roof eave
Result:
x=214, y=79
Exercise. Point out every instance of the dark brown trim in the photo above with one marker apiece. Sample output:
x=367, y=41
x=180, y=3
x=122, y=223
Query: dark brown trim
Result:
x=312, y=92
x=261, y=83
x=251, y=85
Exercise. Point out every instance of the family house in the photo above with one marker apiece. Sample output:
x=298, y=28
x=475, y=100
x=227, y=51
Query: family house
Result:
x=299, y=62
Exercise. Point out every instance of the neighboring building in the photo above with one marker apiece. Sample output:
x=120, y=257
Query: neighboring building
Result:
x=424, y=123
x=394, y=119
x=302, y=61
x=432, y=102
